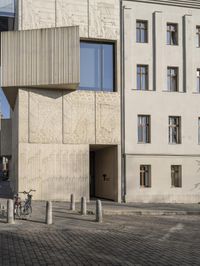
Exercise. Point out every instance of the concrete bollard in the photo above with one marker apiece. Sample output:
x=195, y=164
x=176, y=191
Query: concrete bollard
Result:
x=49, y=212
x=83, y=206
x=72, y=203
x=10, y=212
x=99, y=216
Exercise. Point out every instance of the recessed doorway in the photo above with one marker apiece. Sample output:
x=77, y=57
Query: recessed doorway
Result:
x=103, y=172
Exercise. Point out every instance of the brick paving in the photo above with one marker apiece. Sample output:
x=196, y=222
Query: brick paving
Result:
x=120, y=240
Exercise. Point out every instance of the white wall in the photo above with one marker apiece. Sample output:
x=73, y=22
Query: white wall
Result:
x=160, y=104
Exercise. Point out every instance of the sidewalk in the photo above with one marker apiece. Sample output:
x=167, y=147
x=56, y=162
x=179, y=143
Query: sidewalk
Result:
x=113, y=208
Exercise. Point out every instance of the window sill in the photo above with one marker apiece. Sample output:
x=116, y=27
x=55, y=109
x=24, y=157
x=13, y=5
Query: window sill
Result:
x=196, y=92
x=174, y=143
x=143, y=90
x=174, y=91
x=144, y=187
x=175, y=187
x=144, y=143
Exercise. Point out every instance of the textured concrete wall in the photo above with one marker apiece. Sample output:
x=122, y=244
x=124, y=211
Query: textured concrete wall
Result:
x=55, y=127
x=54, y=170
x=6, y=137
x=96, y=18
x=55, y=130
x=82, y=117
x=41, y=58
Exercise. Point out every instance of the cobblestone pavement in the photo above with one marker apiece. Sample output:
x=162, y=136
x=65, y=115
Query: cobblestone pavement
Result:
x=119, y=240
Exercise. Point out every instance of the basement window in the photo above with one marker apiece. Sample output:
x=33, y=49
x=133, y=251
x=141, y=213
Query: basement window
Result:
x=97, y=65
x=145, y=176
x=176, y=175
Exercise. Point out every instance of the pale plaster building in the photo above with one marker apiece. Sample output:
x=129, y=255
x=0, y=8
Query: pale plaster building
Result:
x=73, y=71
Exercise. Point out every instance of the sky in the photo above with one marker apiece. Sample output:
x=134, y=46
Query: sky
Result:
x=4, y=106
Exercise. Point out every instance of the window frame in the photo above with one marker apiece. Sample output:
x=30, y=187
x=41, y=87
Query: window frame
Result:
x=139, y=29
x=198, y=80
x=198, y=130
x=144, y=128
x=171, y=77
x=114, y=54
x=170, y=32
x=176, y=182
x=145, y=176
x=177, y=127
x=141, y=74
x=197, y=36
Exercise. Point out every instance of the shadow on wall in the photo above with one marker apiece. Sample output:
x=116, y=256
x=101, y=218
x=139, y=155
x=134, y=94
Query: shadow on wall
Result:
x=53, y=94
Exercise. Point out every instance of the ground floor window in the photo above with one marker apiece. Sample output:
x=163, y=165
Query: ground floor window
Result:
x=176, y=175
x=145, y=175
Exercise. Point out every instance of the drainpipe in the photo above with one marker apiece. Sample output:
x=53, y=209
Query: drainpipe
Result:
x=122, y=104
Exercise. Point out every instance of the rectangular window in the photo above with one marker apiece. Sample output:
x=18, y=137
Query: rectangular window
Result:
x=174, y=130
x=176, y=175
x=141, y=31
x=97, y=66
x=144, y=129
x=142, y=77
x=198, y=80
x=172, y=34
x=145, y=175
x=172, y=79
x=199, y=130
x=198, y=36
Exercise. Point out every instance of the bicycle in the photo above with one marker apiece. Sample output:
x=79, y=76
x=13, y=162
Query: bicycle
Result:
x=25, y=209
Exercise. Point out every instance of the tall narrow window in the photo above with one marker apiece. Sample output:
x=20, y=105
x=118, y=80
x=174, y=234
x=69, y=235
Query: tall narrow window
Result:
x=174, y=130
x=199, y=130
x=141, y=31
x=145, y=175
x=142, y=77
x=176, y=175
x=172, y=79
x=198, y=80
x=144, y=129
x=198, y=36
x=172, y=34
x=97, y=66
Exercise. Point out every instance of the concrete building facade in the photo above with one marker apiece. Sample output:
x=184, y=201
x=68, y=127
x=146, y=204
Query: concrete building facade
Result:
x=99, y=91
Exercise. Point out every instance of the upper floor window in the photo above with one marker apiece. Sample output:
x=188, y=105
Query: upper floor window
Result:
x=198, y=36
x=142, y=77
x=172, y=34
x=174, y=130
x=141, y=31
x=144, y=129
x=176, y=175
x=172, y=79
x=145, y=175
x=97, y=66
x=198, y=80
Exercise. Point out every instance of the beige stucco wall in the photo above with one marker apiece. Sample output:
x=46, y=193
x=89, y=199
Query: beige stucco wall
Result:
x=160, y=104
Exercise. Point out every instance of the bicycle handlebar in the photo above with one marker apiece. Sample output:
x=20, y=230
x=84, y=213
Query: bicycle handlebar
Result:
x=25, y=192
